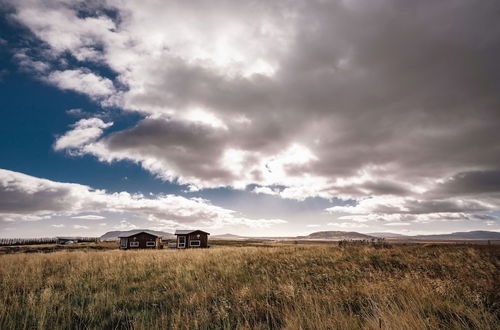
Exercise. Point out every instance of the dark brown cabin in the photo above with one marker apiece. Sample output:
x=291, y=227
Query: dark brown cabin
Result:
x=139, y=240
x=191, y=239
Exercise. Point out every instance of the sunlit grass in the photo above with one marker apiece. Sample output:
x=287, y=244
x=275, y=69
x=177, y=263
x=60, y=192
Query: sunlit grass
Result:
x=283, y=286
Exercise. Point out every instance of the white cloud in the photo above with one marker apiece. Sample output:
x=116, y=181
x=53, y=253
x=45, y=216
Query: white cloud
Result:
x=125, y=225
x=253, y=223
x=387, y=218
x=397, y=224
x=89, y=217
x=266, y=191
x=411, y=205
x=347, y=225
x=61, y=225
x=23, y=197
x=82, y=81
x=400, y=210
x=29, y=64
x=80, y=227
x=15, y=217
x=84, y=131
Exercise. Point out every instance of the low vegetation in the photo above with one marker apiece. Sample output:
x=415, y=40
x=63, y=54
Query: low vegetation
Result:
x=262, y=287
x=47, y=248
x=41, y=240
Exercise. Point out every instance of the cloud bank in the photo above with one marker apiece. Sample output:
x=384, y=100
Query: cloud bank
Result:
x=27, y=198
x=392, y=104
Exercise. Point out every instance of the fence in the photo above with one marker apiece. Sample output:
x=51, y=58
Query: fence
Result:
x=43, y=240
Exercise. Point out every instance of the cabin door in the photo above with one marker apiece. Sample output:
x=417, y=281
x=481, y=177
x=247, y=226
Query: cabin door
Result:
x=182, y=242
x=123, y=243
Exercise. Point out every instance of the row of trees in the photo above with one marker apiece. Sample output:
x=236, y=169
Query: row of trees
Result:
x=42, y=240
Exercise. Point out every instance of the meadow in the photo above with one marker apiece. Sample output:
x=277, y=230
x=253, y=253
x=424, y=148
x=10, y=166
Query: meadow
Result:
x=262, y=286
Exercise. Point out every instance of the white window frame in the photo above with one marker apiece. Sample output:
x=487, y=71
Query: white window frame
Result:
x=193, y=241
x=150, y=243
x=134, y=244
x=181, y=245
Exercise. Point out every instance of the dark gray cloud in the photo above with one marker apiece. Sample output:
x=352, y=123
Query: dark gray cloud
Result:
x=390, y=83
x=471, y=183
x=446, y=206
x=16, y=199
x=190, y=148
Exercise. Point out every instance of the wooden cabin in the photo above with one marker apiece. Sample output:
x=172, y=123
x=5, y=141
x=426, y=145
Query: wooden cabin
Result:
x=140, y=240
x=191, y=239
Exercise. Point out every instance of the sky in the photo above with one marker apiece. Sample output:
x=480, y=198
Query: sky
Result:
x=261, y=118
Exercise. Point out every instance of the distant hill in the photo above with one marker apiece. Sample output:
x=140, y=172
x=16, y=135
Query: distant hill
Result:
x=336, y=235
x=228, y=236
x=478, y=234
x=113, y=235
x=387, y=235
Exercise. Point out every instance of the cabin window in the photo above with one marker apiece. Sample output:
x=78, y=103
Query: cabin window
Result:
x=195, y=242
x=134, y=244
x=123, y=243
x=150, y=243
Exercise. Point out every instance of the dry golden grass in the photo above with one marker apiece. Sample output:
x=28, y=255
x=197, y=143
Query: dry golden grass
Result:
x=284, y=286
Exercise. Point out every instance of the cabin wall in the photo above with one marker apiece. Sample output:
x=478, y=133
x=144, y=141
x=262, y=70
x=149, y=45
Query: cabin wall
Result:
x=203, y=238
x=142, y=238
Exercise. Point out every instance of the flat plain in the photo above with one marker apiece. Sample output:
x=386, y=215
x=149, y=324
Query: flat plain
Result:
x=251, y=285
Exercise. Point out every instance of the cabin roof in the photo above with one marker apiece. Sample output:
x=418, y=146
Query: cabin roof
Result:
x=135, y=232
x=189, y=231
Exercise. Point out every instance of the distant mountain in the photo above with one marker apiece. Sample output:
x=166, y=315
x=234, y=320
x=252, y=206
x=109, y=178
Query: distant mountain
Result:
x=336, y=235
x=387, y=235
x=478, y=234
x=228, y=236
x=113, y=235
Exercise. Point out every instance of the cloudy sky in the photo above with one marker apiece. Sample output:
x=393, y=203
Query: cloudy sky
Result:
x=252, y=117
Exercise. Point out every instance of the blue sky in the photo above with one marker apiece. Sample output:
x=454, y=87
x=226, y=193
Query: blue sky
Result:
x=244, y=119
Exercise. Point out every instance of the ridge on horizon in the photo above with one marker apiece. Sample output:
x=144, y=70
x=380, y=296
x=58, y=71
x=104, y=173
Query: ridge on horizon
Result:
x=329, y=234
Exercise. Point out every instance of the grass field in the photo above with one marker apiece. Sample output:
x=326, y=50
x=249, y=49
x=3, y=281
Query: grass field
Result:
x=259, y=286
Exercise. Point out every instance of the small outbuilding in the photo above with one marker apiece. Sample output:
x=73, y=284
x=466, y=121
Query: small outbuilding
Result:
x=66, y=240
x=191, y=239
x=140, y=240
